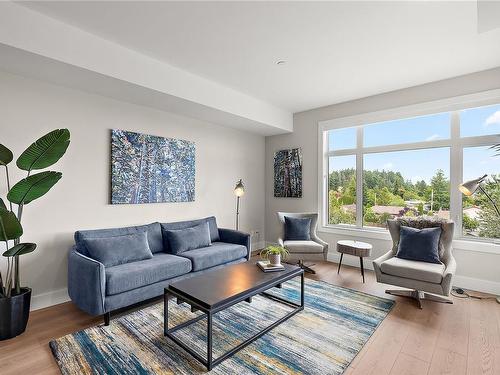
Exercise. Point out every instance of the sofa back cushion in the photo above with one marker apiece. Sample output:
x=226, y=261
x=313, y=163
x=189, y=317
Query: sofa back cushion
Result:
x=153, y=230
x=297, y=228
x=112, y=251
x=181, y=240
x=419, y=244
x=212, y=225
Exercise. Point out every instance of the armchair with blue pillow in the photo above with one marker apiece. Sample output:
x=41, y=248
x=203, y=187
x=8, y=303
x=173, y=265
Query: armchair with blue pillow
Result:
x=299, y=237
x=421, y=259
x=109, y=269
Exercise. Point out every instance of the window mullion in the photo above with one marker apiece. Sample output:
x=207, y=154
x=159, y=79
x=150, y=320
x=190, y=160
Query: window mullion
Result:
x=456, y=174
x=359, y=177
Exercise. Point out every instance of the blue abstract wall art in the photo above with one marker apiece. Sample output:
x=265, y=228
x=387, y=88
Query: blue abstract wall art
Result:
x=151, y=169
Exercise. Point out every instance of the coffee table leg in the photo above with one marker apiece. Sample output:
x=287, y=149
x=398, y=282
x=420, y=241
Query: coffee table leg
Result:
x=302, y=289
x=165, y=314
x=209, y=341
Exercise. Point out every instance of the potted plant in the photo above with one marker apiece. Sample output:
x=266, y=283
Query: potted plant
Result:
x=273, y=253
x=15, y=300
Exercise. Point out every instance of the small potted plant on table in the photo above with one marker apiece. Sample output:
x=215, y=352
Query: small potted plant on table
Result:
x=274, y=254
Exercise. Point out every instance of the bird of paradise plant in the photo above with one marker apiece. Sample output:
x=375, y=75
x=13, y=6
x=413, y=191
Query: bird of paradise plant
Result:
x=41, y=154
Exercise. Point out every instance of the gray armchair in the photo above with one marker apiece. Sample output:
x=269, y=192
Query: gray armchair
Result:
x=315, y=249
x=426, y=280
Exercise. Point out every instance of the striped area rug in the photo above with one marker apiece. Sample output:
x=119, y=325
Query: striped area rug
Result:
x=322, y=339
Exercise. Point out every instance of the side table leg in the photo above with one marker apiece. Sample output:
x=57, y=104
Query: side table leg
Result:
x=362, y=268
x=209, y=341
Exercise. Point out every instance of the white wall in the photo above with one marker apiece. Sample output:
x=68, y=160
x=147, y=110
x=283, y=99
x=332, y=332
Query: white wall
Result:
x=479, y=270
x=80, y=200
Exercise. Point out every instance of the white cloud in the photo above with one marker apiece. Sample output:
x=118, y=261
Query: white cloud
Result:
x=494, y=119
x=433, y=137
x=387, y=166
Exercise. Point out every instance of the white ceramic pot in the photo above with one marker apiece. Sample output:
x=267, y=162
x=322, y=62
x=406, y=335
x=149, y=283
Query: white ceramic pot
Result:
x=275, y=259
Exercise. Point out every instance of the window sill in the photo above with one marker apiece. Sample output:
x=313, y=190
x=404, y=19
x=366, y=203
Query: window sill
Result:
x=461, y=244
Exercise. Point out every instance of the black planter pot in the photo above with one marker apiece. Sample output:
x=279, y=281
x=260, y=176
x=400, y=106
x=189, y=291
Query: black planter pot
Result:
x=14, y=314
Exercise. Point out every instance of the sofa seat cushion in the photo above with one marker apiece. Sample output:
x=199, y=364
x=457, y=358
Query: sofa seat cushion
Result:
x=215, y=254
x=412, y=269
x=309, y=247
x=125, y=277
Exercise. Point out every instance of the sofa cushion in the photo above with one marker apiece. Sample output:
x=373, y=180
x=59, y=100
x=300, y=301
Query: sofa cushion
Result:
x=181, y=240
x=212, y=224
x=125, y=277
x=303, y=247
x=215, y=254
x=155, y=239
x=112, y=251
x=297, y=228
x=419, y=244
x=412, y=269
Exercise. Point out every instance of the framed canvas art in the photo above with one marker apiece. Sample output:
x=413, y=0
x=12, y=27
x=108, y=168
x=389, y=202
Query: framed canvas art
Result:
x=288, y=173
x=151, y=169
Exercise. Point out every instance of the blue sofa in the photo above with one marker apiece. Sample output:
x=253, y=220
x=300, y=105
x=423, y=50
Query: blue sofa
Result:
x=99, y=290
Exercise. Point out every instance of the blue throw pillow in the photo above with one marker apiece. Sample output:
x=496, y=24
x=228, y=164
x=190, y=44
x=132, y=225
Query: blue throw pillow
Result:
x=419, y=244
x=297, y=228
x=181, y=240
x=112, y=251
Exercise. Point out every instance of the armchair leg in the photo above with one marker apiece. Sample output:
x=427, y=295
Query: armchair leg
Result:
x=419, y=296
x=308, y=268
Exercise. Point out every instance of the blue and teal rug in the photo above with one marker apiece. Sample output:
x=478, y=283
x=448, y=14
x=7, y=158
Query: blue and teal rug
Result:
x=322, y=339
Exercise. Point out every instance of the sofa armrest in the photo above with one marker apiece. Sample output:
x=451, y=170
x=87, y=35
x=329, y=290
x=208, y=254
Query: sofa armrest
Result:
x=86, y=282
x=449, y=272
x=236, y=237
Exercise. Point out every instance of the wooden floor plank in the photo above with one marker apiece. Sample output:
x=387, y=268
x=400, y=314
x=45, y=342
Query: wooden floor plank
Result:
x=408, y=365
x=448, y=362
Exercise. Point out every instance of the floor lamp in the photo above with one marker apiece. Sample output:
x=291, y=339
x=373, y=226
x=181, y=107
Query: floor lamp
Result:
x=470, y=187
x=239, y=191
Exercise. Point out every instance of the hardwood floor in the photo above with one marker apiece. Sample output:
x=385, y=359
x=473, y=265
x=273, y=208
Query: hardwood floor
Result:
x=463, y=338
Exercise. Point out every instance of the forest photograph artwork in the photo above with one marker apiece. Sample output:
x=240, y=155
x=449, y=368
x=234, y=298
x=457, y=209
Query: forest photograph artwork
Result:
x=151, y=169
x=288, y=173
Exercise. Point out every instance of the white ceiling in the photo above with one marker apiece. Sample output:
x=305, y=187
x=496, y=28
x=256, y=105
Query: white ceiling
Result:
x=335, y=51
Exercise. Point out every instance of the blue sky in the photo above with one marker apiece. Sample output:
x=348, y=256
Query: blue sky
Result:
x=422, y=164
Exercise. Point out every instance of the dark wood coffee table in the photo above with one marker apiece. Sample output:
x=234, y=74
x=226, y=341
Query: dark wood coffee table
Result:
x=217, y=290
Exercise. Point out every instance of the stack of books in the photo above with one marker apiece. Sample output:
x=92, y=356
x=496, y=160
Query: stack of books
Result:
x=265, y=266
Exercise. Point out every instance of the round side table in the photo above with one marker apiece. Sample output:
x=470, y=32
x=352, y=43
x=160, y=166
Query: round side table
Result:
x=356, y=248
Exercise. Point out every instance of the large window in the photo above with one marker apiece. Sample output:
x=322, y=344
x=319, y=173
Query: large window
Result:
x=411, y=167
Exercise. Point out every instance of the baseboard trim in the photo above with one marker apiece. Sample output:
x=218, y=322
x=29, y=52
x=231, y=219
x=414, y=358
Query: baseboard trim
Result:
x=485, y=286
x=48, y=299
x=470, y=283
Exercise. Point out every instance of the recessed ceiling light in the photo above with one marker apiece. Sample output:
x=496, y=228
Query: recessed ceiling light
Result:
x=280, y=62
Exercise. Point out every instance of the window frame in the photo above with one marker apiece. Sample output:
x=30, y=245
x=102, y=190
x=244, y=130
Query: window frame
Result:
x=455, y=143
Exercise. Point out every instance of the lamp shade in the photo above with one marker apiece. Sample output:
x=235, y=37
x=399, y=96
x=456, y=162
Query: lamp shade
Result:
x=469, y=187
x=239, y=189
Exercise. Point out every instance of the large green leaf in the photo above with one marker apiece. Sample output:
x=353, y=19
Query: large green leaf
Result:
x=5, y=155
x=2, y=204
x=20, y=249
x=45, y=151
x=10, y=227
x=33, y=187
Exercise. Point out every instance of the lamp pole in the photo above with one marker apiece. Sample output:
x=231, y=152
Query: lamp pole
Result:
x=237, y=212
x=239, y=191
x=491, y=199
